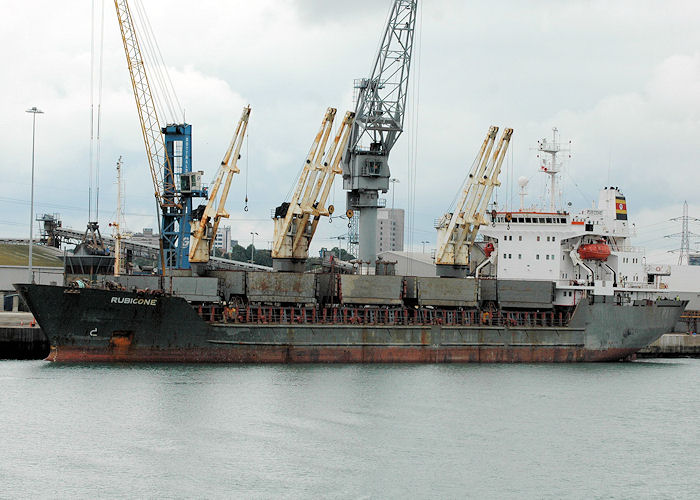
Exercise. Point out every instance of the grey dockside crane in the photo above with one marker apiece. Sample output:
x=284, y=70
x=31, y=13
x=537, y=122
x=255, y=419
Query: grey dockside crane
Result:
x=379, y=116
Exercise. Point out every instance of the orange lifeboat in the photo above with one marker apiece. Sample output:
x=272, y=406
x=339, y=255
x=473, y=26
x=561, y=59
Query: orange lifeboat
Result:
x=594, y=251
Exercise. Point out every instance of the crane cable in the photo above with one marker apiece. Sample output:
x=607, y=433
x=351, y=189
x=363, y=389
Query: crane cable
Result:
x=92, y=109
x=95, y=118
x=99, y=112
x=247, y=143
x=413, y=137
x=165, y=95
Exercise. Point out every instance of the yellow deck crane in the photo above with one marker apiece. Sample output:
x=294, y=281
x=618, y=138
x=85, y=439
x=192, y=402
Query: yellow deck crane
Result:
x=206, y=222
x=457, y=230
x=297, y=220
x=161, y=170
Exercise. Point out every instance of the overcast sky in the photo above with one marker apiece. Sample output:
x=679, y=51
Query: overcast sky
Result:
x=620, y=79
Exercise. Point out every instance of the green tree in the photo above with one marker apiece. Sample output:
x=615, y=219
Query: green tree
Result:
x=263, y=257
x=240, y=254
x=342, y=253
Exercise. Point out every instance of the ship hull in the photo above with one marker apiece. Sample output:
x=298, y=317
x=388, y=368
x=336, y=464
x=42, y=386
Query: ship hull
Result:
x=93, y=325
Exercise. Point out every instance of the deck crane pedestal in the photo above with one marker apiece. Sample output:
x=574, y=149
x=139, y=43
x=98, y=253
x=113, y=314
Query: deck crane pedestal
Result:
x=296, y=221
x=206, y=218
x=457, y=230
x=379, y=116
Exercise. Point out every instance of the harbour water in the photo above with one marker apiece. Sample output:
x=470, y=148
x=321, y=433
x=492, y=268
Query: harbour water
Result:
x=613, y=430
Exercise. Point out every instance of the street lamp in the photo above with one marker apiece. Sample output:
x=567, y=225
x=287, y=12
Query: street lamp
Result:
x=253, y=234
x=34, y=111
x=340, y=245
x=393, y=191
x=424, y=242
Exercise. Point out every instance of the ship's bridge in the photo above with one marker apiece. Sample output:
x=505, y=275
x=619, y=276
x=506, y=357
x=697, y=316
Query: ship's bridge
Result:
x=522, y=217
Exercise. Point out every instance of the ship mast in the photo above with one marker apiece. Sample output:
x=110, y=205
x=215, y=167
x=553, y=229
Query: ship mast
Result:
x=117, y=225
x=552, y=166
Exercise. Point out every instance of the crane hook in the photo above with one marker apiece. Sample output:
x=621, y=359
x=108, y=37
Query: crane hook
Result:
x=245, y=208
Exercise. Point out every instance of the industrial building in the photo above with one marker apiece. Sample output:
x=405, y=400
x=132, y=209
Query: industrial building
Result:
x=147, y=237
x=410, y=263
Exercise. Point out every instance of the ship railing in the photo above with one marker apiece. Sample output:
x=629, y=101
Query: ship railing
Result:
x=399, y=316
x=626, y=248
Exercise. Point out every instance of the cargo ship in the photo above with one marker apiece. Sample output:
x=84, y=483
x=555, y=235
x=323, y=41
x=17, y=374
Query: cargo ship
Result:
x=539, y=286
x=542, y=287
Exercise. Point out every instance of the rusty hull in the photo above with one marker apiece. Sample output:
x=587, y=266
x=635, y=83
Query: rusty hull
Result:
x=346, y=354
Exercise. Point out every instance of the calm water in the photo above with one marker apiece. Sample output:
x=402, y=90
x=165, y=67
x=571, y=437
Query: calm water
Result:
x=525, y=431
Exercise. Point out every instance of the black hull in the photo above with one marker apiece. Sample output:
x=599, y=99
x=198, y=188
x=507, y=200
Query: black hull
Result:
x=102, y=325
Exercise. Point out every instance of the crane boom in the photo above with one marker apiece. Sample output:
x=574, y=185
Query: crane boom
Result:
x=296, y=221
x=204, y=230
x=164, y=186
x=457, y=230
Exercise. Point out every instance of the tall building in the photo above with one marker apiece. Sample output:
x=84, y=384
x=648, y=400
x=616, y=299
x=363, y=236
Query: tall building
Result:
x=390, y=229
x=223, y=239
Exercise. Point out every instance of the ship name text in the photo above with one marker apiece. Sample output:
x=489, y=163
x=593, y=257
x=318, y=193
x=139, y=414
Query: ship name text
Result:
x=134, y=301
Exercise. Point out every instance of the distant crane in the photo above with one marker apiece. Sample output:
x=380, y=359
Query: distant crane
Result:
x=457, y=230
x=379, y=112
x=207, y=217
x=296, y=221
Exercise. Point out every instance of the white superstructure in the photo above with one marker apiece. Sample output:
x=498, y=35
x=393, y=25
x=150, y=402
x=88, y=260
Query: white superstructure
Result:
x=590, y=250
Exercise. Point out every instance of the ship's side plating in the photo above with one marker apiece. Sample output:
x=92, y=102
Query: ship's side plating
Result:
x=102, y=325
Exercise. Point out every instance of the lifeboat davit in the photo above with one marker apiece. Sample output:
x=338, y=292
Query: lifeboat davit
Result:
x=594, y=251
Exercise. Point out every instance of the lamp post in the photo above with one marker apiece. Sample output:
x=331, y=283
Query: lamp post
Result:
x=34, y=111
x=424, y=242
x=393, y=191
x=253, y=234
x=340, y=245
